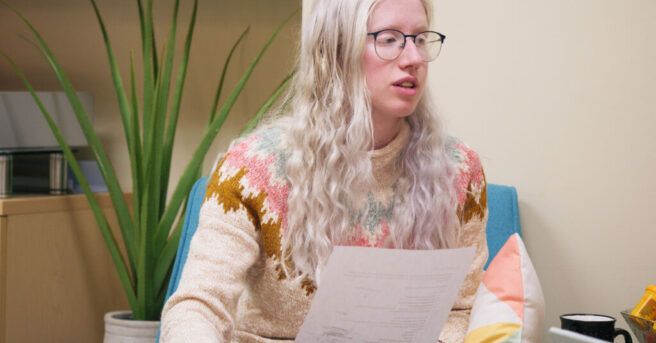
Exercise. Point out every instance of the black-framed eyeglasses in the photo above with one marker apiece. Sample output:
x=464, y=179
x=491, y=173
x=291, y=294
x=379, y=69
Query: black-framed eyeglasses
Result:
x=389, y=43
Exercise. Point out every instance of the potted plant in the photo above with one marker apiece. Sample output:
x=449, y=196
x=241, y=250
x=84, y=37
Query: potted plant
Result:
x=151, y=227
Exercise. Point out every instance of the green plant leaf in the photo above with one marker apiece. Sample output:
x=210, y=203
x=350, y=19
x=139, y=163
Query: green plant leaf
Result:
x=219, y=89
x=150, y=214
x=141, y=23
x=148, y=74
x=169, y=137
x=123, y=104
x=163, y=98
x=129, y=118
x=167, y=256
x=272, y=99
x=137, y=180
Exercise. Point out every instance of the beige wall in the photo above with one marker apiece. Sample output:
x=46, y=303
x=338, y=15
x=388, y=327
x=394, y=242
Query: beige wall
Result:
x=70, y=27
x=558, y=98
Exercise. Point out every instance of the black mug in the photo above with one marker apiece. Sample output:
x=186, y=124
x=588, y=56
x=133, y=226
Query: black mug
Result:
x=593, y=325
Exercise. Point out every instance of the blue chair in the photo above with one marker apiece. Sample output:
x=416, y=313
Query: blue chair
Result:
x=503, y=218
x=196, y=197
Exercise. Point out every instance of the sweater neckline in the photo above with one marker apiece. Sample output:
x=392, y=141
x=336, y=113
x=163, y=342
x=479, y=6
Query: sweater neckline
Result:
x=384, y=161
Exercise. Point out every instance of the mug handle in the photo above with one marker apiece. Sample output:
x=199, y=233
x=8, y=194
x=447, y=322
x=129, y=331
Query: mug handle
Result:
x=627, y=336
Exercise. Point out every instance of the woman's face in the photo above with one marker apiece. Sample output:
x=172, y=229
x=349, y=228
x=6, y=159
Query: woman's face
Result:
x=395, y=86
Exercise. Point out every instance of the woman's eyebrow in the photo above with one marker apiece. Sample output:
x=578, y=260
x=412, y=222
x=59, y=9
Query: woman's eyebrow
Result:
x=422, y=27
x=418, y=28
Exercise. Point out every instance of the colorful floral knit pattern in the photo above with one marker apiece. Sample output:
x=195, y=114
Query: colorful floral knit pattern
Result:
x=232, y=289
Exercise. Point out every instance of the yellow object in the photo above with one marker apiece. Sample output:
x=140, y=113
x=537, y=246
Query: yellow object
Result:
x=646, y=308
x=495, y=333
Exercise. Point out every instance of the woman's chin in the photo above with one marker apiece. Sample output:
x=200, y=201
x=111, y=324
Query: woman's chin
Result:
x=405, y=111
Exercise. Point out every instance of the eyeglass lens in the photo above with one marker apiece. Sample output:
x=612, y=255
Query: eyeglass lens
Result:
x=390, y=43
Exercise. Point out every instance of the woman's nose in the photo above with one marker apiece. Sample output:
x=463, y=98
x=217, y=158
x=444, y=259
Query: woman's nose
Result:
x=410, y=54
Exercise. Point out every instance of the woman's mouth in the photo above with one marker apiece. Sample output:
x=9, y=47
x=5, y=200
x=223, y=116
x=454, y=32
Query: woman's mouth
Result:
x=407, y=88
x=406, y=84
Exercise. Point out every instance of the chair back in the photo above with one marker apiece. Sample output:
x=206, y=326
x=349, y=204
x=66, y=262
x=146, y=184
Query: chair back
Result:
x=196, y=197
x=503, y=217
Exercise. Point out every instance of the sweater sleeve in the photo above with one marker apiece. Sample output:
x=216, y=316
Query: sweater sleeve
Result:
x=222, y=250
x=473, y=218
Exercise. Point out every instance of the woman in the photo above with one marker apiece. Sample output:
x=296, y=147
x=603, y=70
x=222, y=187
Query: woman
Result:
x=360, y=159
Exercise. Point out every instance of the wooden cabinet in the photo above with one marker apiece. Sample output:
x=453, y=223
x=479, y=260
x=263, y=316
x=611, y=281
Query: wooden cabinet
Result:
x=56, y=276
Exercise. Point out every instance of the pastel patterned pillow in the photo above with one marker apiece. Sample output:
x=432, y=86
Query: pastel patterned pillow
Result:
x=509, y=305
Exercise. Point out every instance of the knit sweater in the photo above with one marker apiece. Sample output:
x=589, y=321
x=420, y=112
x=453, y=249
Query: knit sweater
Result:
x=232, y=289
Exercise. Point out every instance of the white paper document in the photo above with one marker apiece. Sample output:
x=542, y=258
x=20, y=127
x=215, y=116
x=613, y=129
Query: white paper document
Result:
x=385, y=295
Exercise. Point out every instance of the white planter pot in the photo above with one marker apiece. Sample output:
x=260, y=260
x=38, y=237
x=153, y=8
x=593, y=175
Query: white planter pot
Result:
x=121, y=328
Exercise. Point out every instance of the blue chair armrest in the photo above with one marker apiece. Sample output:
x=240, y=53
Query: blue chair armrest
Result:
x=196, y=197
x=503, y=217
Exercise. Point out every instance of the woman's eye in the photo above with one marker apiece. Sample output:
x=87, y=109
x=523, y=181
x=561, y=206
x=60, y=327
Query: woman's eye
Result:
x=387, y=39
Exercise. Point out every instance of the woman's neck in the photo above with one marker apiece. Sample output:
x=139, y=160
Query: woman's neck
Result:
x=385, y=132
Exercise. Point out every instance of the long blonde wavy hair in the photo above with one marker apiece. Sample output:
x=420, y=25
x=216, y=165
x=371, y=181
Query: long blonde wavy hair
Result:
x=329, y=133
